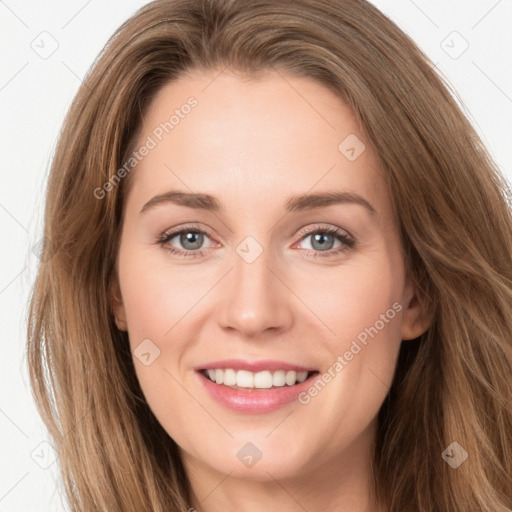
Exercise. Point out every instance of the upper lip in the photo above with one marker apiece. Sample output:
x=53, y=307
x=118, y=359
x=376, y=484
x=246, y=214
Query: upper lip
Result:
x=254, y=366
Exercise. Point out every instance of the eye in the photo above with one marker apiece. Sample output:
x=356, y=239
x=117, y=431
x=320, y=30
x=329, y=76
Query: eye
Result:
x=323, y=240
x=190, y=238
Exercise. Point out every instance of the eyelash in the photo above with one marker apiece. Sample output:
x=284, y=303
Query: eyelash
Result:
x=347, y=241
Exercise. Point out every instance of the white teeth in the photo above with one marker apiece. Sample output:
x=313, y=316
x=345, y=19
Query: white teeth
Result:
x=279, y=378
x=258, y=380
x=229, y=377
x=263, y=380
x=302, y=376
x=291, y=378
x=244, y=379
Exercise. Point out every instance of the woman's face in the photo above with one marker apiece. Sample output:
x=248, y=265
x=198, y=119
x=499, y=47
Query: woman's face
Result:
x=289, y=262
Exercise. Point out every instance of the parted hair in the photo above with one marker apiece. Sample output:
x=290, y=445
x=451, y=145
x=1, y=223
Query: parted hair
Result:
x=452, y=384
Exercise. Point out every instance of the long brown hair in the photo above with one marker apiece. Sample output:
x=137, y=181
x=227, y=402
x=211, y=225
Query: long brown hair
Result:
x=453, y=384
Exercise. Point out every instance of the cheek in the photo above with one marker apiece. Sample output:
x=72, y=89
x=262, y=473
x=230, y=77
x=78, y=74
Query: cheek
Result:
x=156, y=297
x=156, y=303
x=352, y=297
x=362, y=307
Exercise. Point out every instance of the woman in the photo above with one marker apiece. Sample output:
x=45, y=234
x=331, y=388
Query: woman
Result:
x=337, y=336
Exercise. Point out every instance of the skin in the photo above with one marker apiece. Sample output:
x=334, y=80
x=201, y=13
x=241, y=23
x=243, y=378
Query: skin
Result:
x=253, y=144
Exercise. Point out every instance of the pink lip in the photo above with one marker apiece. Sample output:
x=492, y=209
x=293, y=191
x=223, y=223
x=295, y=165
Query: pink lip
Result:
x=253, y=366
x=254, y=401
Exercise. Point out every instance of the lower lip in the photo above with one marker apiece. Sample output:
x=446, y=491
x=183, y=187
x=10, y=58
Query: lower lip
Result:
x=254, y=401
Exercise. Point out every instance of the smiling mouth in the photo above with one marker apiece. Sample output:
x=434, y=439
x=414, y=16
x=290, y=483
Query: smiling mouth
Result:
x=244, y=380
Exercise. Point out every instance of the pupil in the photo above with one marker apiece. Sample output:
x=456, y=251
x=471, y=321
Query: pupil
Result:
x=320, y=237
x=189, y=237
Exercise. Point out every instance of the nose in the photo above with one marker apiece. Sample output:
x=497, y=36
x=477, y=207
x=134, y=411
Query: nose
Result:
x=256, y=299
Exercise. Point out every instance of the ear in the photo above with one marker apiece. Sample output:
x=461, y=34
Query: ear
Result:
x=116, y=302
x=416, y=319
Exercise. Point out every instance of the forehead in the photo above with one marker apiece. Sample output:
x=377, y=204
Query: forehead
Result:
x=235, y=137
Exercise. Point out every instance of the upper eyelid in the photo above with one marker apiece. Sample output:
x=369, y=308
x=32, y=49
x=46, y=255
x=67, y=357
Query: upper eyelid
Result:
x=333, y=229
x=304, y=230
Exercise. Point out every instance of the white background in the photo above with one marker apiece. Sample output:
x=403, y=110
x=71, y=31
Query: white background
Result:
x=34, y=96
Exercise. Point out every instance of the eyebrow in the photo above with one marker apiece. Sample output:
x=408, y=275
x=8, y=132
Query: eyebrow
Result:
x=302, y=202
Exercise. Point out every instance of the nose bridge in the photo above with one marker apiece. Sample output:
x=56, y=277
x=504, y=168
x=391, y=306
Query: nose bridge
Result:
x=256, y=300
